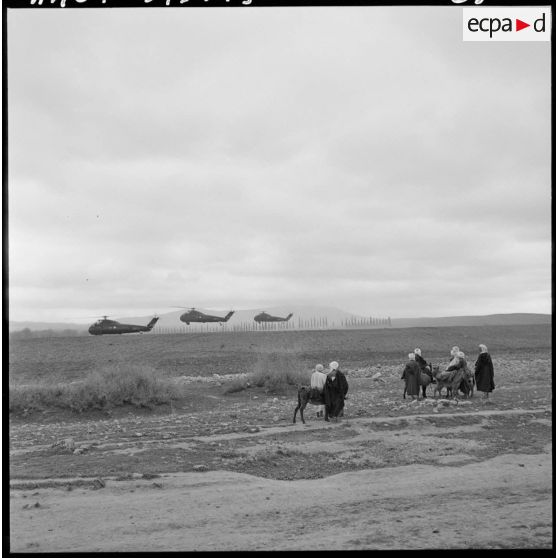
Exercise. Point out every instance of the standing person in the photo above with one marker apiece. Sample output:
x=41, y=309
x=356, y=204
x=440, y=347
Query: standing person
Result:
x=425, y=368
x=484, y=372
x=317, y=381
x=422, y=363
x=335, y=392
x=411, y=375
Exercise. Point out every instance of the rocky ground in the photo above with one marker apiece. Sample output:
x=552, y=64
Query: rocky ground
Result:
x=232, y=472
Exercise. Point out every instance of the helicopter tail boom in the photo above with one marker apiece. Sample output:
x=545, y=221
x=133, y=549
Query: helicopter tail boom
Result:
x=152, y=323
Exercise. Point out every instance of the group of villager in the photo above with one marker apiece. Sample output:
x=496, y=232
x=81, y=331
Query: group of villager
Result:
x=327, y=390
x=332, y=388
x=417, y=373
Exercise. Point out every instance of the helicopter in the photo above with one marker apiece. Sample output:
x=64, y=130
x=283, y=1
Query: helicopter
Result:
x=194, y=315
x=105, y=326
x=265, y=317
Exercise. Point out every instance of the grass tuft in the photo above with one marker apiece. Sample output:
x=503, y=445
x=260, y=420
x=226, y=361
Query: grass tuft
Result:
x=277, y=368
x=235, y=386
x=110, y=386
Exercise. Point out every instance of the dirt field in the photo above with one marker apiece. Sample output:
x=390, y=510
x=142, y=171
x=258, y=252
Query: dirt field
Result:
x=232, y=472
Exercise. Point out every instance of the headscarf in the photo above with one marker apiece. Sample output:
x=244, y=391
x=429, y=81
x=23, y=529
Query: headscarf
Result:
x=461, y=354
x=319, y=368
x=483, y=348
x=454, y=351
x=333, y=366
x=417, y=352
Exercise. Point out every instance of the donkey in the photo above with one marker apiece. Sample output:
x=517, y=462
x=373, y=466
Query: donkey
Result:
x=450, y=381
x=467, y=386
x=307, y=394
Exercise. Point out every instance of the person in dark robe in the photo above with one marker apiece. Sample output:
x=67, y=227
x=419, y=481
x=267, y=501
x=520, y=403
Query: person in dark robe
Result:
x=423, y=365
x=425, y=368
x=335, y=392
x=484, y=372
x=411, y=375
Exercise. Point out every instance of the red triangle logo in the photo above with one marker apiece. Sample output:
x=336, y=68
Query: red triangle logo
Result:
x=519, y=25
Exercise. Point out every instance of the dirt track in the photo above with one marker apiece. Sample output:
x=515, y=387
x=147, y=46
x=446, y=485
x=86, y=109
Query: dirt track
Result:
x=459, y=500
x=503, y=502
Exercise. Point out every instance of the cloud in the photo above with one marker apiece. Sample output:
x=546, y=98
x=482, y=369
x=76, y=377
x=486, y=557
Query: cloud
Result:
x=364, y=158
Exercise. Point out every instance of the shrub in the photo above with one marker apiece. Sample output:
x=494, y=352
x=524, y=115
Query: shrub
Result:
x=235, y=386
x=109, y=386
x=32, y=397
x=130, y=384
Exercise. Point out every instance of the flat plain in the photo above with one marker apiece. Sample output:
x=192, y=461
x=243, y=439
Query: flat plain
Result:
x=230, y=471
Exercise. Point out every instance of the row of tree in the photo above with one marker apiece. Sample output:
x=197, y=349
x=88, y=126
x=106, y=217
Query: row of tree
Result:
x=311, y=324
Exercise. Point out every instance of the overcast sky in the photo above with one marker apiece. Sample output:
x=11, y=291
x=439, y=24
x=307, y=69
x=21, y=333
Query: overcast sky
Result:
x=363, y=158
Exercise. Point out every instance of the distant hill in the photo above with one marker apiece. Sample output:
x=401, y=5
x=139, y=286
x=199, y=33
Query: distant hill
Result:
x=491, y=319
x=43, y=326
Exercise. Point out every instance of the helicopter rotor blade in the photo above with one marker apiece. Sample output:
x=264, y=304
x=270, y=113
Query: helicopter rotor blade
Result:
x=96, y=316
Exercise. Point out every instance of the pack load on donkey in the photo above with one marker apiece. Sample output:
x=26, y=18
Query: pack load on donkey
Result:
x=457, y=376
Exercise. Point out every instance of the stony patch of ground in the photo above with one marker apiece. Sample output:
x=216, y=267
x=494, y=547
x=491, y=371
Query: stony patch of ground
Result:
x=232, y=472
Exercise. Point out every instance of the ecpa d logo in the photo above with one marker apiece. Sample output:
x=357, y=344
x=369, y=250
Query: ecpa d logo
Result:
x=507, y=24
